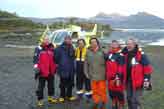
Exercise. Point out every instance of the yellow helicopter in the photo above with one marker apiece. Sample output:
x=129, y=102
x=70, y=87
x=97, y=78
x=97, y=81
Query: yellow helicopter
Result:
x=76, y=32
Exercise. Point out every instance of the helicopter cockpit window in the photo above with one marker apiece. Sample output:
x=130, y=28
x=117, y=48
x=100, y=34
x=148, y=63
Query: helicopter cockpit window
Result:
x=60, y=37
x=75, y=35
x=53, y=36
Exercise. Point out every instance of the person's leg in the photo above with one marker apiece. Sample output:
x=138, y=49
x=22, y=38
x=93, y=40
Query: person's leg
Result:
x=133, y=97
x=70, y=86
x=121, y=100
x=136, y=99
x=62, y=87
x=95, y=94
x=129, y=94
x=113, y=98
x=102, y=92
x=79, y=82
x=40, y=91
x=87, y=84
x=50, y=87
x=88, y=91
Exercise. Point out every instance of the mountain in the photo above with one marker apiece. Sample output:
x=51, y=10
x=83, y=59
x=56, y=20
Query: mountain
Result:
x=139, y=20
x=52, y=20
x=11, y=21
x=47, y=20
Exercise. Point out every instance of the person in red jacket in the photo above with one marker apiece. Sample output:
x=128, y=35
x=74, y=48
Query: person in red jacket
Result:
x=115, y=75
x=138, y=73
x=45, y=68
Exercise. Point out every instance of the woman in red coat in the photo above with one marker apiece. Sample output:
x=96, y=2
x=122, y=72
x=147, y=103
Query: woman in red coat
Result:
x=115, y=74
x=45, y=68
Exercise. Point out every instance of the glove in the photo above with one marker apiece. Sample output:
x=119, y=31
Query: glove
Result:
x=36, y=76
x=87, y=76
x=117, y=81
x=147, y=85
x=37, y=73
x=36, y=70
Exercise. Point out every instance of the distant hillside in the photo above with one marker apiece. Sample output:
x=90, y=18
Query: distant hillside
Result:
x=139, y=20
x=10, y=21
x=57, y=19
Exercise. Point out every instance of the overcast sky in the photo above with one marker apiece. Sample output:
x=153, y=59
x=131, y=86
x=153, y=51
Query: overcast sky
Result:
x=81, y=8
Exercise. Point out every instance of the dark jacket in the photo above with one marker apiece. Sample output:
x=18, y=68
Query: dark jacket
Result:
x=65, y=57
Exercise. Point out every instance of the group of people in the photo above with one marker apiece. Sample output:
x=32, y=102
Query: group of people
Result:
x=117, y=70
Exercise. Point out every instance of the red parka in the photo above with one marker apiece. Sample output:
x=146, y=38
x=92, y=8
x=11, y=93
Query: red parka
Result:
x=115, y=66
x=44, y=60
x=140, y=68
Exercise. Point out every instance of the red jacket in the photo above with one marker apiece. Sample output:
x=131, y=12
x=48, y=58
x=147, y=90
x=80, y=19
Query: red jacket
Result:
x=46, y=61
x=115, y=67
x=140, y=68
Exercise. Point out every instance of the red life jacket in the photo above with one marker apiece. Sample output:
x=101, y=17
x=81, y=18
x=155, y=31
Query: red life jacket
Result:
x=138, y=70
x=112, y=68
x=46, y=62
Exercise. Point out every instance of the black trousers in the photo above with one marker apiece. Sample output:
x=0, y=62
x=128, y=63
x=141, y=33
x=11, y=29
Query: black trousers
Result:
x=81, y=79
x=41, y=86
x=133, y=96
x=117, y=95
x=66, y=86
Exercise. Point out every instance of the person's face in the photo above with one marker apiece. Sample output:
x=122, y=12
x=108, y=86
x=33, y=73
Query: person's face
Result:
x=46, y=40
x=114, y=45
x=94, y=43
x=68, y=41
x=131, y=45
x=81, y=44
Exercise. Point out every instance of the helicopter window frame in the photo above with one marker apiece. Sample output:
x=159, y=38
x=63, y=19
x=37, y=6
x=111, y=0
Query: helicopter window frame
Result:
x=60, y=36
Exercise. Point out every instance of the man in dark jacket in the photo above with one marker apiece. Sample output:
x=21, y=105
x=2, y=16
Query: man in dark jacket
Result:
x=65, y=56
x=45, y=68
x=138, y=71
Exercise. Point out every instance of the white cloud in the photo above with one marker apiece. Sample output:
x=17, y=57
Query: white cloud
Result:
x=82, y=8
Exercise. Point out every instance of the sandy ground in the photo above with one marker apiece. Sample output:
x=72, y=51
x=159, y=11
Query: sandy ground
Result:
x=17, y=86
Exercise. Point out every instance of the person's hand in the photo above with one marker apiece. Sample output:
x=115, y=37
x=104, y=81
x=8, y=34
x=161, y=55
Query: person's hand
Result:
x=147, y=85
x=105, y=51
x=87, y=76
x=118, y=81
x=37, y=72
x=36, y=76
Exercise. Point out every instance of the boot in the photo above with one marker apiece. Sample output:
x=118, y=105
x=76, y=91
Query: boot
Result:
x=40, y=103
x=52, y=100
x=71, y=98
x=61, y=100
